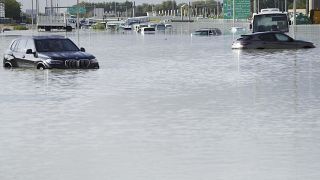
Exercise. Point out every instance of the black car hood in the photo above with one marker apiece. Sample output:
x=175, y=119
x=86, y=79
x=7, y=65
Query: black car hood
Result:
x=66, y=55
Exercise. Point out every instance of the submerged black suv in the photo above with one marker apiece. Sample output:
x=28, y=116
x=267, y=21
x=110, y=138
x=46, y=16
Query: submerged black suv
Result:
x=46, y=52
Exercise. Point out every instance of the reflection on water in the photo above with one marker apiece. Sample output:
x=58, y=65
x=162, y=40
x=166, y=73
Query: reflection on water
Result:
x=165, y=106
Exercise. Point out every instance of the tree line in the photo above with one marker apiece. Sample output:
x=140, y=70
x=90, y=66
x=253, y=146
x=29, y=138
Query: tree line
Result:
x=12, y=9
x=142, y=9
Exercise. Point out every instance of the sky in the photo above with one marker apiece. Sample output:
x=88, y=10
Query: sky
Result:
x=26, y=4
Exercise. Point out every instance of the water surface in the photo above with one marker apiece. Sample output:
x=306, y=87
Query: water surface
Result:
x=165, y=106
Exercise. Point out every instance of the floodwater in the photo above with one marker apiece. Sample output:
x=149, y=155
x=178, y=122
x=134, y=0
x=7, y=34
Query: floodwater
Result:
x=164, y=107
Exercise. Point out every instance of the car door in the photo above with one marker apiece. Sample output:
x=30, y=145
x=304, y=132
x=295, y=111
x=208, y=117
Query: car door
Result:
x=17, y=54
x=268, y=41
x=30, y=59
x=10, y=56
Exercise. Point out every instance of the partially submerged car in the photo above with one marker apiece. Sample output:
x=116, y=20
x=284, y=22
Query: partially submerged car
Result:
x=238, y=30
x=269, y=40
x=46, y=52
x=207, y=32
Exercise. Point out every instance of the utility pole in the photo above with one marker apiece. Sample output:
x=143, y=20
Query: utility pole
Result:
x=37, y=12
x=78, y=24
x=189, y=4
x=218, y=10
x=115, y=9
x=294, y=17
x=285, y=5
x=133, y=9
x=32, y=13
x=233, y=12
x=172, y=3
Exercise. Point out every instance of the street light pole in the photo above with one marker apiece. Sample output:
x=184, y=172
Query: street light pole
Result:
x=32, y=13
x=37, y=12
x=234, y=11
x=78, y=24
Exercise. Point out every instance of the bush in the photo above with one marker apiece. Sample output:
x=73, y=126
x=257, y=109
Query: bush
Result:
x=100, y=26
x=20, y=27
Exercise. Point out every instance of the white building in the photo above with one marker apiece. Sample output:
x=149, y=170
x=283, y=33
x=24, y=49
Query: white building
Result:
x=2, y=9
x=98, y=13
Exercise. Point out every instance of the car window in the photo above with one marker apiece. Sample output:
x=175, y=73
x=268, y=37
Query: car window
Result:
x=204, y=32
x=246, y=37
x=267, y=37
x=218, y=31
x=15, y=48
x=30, y=44
x=22, y=45
x=214, y=32
x=13, y=45
x=282, y=37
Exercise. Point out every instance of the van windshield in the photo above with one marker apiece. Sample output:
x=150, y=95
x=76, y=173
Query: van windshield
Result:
x=55, y=45
x=270, y=22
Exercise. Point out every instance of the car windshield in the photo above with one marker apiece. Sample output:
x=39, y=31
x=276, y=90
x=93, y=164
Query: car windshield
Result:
x=246, y=37
x=55, y=45
x=201, y=33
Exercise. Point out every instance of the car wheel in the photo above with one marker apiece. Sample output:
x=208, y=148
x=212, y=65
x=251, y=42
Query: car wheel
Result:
x=7, y=65
x=41, y=67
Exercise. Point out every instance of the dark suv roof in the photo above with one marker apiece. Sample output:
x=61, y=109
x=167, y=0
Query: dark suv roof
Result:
x=48, y=37
x=42, y=37
x=267, y=32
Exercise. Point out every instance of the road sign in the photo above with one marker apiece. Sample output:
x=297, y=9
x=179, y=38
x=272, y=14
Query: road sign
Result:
x=73, y=10
x=242, y=9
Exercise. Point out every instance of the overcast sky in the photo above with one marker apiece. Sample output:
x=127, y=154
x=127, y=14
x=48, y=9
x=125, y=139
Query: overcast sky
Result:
x=26, y=4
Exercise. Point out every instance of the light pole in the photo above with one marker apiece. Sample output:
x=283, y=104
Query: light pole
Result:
x=182, y=11
x=234, y=12
x=78, y=24
x=37, y=12
x=32, y=14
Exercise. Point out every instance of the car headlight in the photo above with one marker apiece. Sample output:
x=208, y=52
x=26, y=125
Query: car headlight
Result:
x=51, y=61
x=93, y=60
x=237, y=45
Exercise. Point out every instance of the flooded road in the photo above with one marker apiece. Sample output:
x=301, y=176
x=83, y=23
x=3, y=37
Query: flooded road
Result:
x=164, y=106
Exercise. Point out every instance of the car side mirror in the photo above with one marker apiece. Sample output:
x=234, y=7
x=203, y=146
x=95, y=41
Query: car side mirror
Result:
x=29, y=51
x=250, y=26
x=83, y=49
x=290, y=23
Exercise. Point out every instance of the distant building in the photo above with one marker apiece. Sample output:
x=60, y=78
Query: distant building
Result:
x=98, y=13
x=29, y=13
x=2, y=9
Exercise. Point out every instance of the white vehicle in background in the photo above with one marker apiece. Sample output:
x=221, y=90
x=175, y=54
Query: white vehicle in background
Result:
x=238, y=30
x=72, y=22
x=271, y=19
x=148, y=30
x=168, y=26
x=57, y=23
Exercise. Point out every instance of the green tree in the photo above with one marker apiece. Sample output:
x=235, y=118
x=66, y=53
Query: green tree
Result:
x=13, y=9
